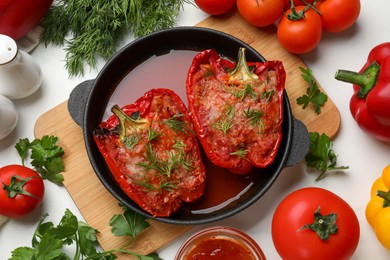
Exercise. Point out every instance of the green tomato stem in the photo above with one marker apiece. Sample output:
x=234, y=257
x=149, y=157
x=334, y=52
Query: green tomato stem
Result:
x=324, y=226
x=16, y=187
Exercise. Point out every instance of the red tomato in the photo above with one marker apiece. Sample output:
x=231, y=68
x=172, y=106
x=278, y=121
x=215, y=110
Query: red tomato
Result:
x=18, y=17
x=286, y=3
x=215, y=7
x=338, y=15
x=260, y=13
x=28, y=186
x=297, y=210
x=300, y=36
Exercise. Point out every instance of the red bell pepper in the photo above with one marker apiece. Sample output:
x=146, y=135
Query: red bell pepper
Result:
x=18, y=17
x=370, y=104
x=152, y=151
x=236, y=108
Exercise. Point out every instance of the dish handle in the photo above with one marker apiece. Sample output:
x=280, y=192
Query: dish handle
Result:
x=78, y=100
x=300, y=143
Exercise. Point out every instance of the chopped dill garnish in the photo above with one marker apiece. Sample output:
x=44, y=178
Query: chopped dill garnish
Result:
x=227, y=120
x=163, y=185
x=152, y=134
x=177, y=125
x=179, y=145
x=268, y=94
x=161, y=166
x=242, y=93
x=253, y=115
x=130, y=141
x=240, y=153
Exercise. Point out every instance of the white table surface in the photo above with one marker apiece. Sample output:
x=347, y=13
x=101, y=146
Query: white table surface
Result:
x=365, y=156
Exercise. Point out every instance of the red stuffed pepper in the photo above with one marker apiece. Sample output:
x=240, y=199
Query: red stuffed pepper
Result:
x=236, y=109
x=370, y=104
x=152, y=151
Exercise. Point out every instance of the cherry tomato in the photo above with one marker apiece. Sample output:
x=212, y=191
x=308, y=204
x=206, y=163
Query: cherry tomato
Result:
x=286, y=3
x=215, y=7
x=300, y=36
x=21, y=190
x=293, y=240
x=338, y=15
x=18, y=17
x=260, y=13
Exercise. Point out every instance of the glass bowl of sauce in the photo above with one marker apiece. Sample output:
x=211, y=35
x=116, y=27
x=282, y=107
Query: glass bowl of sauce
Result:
x=220, y=243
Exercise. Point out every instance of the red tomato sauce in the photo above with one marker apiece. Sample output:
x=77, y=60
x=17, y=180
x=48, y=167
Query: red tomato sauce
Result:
x=220, y=248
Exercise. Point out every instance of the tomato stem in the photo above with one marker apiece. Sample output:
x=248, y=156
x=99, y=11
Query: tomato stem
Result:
x=324, y=226
x=296, y=16
x=16, y=187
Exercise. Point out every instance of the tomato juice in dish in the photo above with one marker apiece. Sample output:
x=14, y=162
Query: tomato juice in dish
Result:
x=164, y=71
x=170, y=71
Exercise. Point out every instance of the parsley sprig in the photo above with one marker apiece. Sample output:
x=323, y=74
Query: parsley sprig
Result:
x=313, y=94
x=49, y=240
x=128, y=224
x=321, y=155
x=46, y=157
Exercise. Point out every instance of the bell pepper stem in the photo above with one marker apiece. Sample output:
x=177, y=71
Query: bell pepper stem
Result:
x=385, y=196
x=127, y=123
x=366, y=80
x=241, y=71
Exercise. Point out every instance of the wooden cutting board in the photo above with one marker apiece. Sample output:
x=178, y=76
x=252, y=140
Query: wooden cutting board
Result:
x=97, y=205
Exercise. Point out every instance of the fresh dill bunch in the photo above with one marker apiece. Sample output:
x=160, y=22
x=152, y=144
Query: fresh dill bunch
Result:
x=91, y=29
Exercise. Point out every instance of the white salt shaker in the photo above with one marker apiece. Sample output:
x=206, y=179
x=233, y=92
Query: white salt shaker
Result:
x=20, y=75
x=8, y=117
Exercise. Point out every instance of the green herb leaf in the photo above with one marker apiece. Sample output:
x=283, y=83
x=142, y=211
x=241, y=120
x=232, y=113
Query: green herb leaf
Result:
x=130, y=223
x=226, y=121
x=253, y=115
x=46, y=157
x=49, y=240
x=87, y=239
x=176, y=124
x=240, y=153
x=23, y=147
x=49, y=248
x=23, y=253
x=320, y=155
x=130, y=141
x=96, y=26
x=313, y=94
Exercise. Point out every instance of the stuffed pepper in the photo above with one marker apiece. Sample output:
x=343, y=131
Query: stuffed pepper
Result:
x=237, y=109
x=152, y=151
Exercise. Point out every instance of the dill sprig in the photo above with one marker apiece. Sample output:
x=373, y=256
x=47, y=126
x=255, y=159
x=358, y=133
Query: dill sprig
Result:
x=163, y=167
x=176, y=124
x=240, y=153
x=130, y=141
x=242, y=93
x=152, y=134
x=253, y=115
x=268, y=94
x=91, y=29
x=226, y=122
